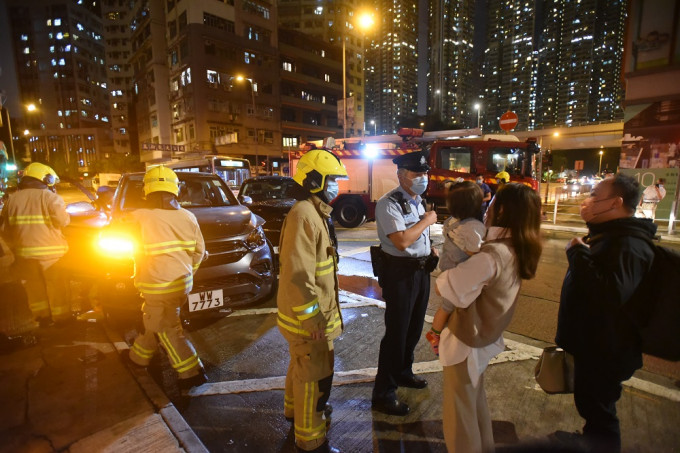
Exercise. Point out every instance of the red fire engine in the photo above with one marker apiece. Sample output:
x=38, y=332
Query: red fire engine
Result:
x=452, y=155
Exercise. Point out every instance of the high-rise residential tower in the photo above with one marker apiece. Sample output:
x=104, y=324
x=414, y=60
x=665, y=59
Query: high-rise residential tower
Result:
x=59, y=54
x=580, y=61
x=451, y=93
x=335, y=22
x=392, y=65
x=206, y=71
x=510, y=63
x=117, y=43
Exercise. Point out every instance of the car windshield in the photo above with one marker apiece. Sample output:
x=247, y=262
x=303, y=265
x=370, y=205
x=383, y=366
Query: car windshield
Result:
x=263, y=190
x=194, y=192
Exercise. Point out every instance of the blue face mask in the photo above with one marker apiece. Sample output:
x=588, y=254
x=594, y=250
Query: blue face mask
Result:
x=419, y=185
x=331, y=190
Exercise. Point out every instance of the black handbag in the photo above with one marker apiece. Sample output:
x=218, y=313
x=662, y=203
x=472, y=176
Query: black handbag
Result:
x=555, y=371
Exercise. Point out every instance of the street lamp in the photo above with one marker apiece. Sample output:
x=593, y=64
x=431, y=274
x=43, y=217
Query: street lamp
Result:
x=478, y=107
x=364, y=22
x=252, y=94
x=599, y=167
x=3, y=97
x=375, y=127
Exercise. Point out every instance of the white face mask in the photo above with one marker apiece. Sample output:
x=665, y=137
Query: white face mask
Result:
x=419, y=185
x=331, y=191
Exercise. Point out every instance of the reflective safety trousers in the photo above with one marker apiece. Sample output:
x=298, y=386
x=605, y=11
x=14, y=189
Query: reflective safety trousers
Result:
x=308, y=298
x=31, y=223
x=162, y=324
x=308, y=386
x=171, y=249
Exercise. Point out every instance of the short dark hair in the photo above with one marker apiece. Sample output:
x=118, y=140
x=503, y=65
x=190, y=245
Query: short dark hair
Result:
x=464, y=200
x=628, y=189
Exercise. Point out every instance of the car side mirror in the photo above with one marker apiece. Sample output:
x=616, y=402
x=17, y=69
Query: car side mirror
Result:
x=245, y=199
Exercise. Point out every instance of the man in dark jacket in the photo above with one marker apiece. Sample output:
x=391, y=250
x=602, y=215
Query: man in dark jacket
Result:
x=605, y=268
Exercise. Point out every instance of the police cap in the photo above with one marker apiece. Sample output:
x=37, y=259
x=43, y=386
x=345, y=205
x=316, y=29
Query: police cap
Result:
x=415, y=161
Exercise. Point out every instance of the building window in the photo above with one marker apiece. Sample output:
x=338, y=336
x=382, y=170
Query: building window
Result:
x=186, y=77
x=213, y=77
x=287, y=66
x=254, y=8
x=182, y=21
x=290, y=142
x=218, y=22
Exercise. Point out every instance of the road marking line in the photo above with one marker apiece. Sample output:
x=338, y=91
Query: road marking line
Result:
x=356, y=251
x=515, y=351
x=358, y=376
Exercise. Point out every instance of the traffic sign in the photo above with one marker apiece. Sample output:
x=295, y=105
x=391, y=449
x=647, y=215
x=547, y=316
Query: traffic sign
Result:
x=508, y=121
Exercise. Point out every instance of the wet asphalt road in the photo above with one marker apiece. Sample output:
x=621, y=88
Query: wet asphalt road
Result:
x=246, y=359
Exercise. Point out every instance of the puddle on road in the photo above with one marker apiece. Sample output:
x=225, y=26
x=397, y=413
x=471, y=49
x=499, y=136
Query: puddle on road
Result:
x=364, y=286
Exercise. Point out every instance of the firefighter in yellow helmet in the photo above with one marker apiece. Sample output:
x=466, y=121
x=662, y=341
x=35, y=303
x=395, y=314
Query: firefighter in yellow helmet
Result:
x=31, y=223
x=171, y=249
x=308, y=306
x=502, y=177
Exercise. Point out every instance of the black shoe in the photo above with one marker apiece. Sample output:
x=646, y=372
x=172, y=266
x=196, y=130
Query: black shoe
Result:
x=325, y=448
x=390, y=405
x=194, y=381
x=414, y=382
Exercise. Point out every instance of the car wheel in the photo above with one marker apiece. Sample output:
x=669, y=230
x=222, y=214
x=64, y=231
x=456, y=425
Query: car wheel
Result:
x=351, y=214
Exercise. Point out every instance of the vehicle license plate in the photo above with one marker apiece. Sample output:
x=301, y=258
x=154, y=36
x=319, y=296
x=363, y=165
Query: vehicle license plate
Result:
x=205, y=300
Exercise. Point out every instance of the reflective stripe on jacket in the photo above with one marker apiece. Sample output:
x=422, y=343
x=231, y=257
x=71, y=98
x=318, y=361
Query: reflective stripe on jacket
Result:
x=308, y=285
x=171, y=250
x=32, y=220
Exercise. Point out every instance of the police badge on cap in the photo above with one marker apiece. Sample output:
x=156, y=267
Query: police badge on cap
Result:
x=415, y=161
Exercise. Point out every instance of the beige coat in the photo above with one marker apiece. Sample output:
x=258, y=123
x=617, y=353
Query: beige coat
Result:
x=170, y=250
x=308, y=298
x=484, y=321
x=32, y=220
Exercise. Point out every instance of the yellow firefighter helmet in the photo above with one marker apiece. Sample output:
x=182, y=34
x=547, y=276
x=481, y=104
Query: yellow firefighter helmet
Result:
x=161, y=179
x=42, y=172
x=504, y=175
x=315, y=166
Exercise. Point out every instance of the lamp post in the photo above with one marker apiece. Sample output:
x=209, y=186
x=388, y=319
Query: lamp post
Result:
x=375, y=127
x=599, y=167
x=252, y=94
x=365, y=21
x=478, y=107
x=9, y=126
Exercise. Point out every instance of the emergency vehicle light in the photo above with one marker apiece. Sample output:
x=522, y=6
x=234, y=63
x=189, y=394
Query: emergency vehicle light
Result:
x=370, y=151
x=116, y=246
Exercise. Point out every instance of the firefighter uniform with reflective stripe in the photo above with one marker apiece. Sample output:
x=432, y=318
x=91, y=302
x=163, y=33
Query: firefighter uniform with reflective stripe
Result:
x=171, y=250
x=308, y=302
x=32, y=219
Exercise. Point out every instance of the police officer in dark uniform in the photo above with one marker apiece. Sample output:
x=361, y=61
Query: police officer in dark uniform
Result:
x=408, y=259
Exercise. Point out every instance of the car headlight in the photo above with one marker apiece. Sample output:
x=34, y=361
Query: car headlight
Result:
x=256, y=239
x=116, y=246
